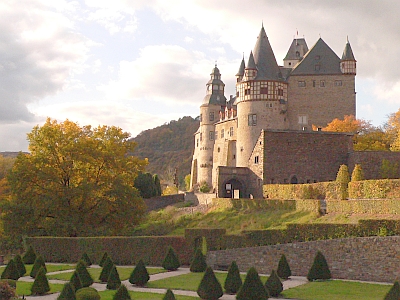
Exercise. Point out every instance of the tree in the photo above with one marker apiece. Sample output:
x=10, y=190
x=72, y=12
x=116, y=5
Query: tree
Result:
x=122, y=293
x=283, y=270
x=113, y=282
x=39, y=263
x=199, y=263
x=343, y=179
x=319, y=269
x=274, y=284
x=139, y=275
x=29, y=256
x=252, y=287
x=169, y=295
x=86, y=259
x=233, y=281
x=75, y=181
x=20, y=265
x=11, y=271
x=105, y=272
x=68, y=292
x=157, y=184
x=209, y=287
x=187, y=182
x=6, y=164
x=76, y=281
x=41, y=284
x=144, y=182
x=171, y=261
x=393, y=131
x=357, y=174
x=394, y=292
x=83, y=273
x=103, y=259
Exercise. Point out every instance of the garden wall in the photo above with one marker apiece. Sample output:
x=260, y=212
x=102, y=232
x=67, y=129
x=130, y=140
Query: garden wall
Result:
x=367, y=258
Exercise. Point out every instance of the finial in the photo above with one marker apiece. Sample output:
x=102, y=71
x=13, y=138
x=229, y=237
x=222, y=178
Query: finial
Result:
x=347, y=39
x=215, y=63
x=262, y=23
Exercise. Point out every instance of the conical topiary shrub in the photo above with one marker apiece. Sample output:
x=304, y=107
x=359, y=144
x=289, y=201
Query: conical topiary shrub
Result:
x=103, y=259
x=343, y=179
x=76, y=281
x=39, y=262
x=209, y=287
x=11, y=271
x=105, y=272
x=283, y=270
x=41, y=284
x=20, y=265
x=169, y=295
x=199, y=263
x=233, y=281
x=319, y=270
x=29, y=256
x=87, y=293
x=274, y=284
x=171, y=261
x=68, y=292
x=357, y=174
x=86, y=259
x=252, y=287
x=139, y=275
x=113, y=282
x=83, y=273
x=122, y=293
x=394, y=292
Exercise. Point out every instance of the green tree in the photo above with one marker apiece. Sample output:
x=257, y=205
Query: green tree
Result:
x=169, y=295
x=113, y=282
x=144, y=182
x=75, y=181
x=274, y=285
x=199, y=263
x=68, y=292
x=76, y=281
x=105, y=272
x=187, y=182
x=394, y=292
x=39, y=263
x=103, y=259
x=41, y=284
x=252, y=287
x=83, y=273
x=122, y=293
x=171, y=260
x=209, y=287
x=343, y=179
x=357, y=174
x=86, y=259
x=157, y=185
x=283, y=270
x=139, y=275
x=233, y=281
x=319, y=269
x=20, y=265
x=11, y=271
x=29, y=256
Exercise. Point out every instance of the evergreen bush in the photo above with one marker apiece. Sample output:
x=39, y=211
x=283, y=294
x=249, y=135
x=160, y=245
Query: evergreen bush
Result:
x=11, y=271
x=87, y=293
x=343, y=179
x=171, y=261
x=7, y=292
x=39, y=262
x=252, y=287
x=105, y=272
x=357, y=174
x=86, y=259
x=76, y=281
x=169, y=295
x=139, y=275
x=394, y=292
x=103, y=259
x=122, y=293
x=11, y=282
x=274, y=284
x=29, y=256
x=199, y=263
x=320, y=269
x=20, y=265
x=283, y=270
x=209, y=287
x=68, y=292
x=41, y=284
x=233, y=281
x=83, y=273
x=113, y=282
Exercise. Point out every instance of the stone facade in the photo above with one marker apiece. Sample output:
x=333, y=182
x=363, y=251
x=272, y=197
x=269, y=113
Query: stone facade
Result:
x=367, y=258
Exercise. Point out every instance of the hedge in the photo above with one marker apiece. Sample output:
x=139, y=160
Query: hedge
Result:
x=319, y=190
x=366, y=206
x=277, y=204
x=375, y=189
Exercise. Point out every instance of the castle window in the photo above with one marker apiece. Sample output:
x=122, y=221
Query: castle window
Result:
x=231, y=131
x=222, y=133
x=313, y=83
x=264, y=90
x=280, y=92
x=338, y=83
x=234, y=156
x=303, y=120
x=302, y=83
x=215, y=87
x=219, y=149
x=256, y=159
x=297, y=54
x=201, y=136
x=252, y=119
x=237, y=94
x=247, y=91
x=216, y=135
x=211, y=135
x=322, y=83
x=211, y=116
x=197, y=143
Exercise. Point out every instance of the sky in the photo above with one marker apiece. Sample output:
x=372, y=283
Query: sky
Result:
x=139, y=64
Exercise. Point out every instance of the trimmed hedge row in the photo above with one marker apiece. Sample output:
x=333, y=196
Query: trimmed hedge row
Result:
x=319, y=190
x=254, y=204
x=378, y=189
x=367, y=206
x=123, y=250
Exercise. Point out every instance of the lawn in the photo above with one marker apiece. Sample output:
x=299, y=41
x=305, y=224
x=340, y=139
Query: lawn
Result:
x=24, y=288
x=107, y=295
x=337, y=290
x=49, y=267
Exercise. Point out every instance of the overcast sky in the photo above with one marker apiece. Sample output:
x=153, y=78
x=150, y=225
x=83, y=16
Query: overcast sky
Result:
x=138, y=64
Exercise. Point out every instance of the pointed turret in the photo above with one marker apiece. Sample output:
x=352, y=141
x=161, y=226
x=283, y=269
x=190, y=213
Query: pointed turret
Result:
x=215, y=89
x=240, y=73
x=251, y=70
x=348, y=61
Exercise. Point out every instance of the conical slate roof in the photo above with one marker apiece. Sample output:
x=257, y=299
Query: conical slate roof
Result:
x=347, y=52
x=241, y=68
x=320, y=59
x=264, y=58
x=216, y=96
x=297, y=46
x=251, y=63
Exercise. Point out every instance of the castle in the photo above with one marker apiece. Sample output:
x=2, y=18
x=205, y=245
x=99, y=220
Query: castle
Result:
x=270, y=131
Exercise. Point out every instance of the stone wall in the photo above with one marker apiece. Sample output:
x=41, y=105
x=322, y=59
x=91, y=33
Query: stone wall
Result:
x=367, y=258
x=371, y=162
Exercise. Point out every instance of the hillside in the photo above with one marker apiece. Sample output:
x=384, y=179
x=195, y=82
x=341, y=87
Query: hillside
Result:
x=167, y=147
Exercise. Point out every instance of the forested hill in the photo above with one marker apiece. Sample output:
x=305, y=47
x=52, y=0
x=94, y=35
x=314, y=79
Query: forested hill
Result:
x=168, y=147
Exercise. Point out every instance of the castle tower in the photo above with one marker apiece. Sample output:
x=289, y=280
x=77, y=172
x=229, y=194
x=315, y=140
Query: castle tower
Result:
x=213, y=103
x=348, y=62
x=261, y=98
x=296, y=52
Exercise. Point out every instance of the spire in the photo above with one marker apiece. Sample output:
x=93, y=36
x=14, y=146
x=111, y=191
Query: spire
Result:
x=241, y=68
x=251, y=64
x=348, y=52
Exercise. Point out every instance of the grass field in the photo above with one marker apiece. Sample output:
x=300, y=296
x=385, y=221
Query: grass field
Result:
x=49, y=267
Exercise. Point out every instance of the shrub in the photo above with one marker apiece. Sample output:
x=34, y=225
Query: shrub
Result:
x=357, y=174
x=283, y=271
x=68, y=292
x=41, y=284
x=11, y=282
x=169, y=295
x=103, y=259
x=7, y=292
x=274, y=284
x=76, y=281
x=319, y=269
x=139, y=275
x=122, y=293
x=83, y=273
x=39, y=262
x=199, y=263
x=394, y=292
x=171, y=261
x=209, y=287
x=86, y=259
x=105, y=272
x=204, y=187
x=252, y=287
x=11, y=271
x=20, y=265
x=113, y=282
x=343, y=179
x=29, y=256
x=87, y=293
x=233, y=281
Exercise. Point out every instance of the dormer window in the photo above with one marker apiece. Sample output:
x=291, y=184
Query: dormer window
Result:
x=215, y=87
x=297, y=54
